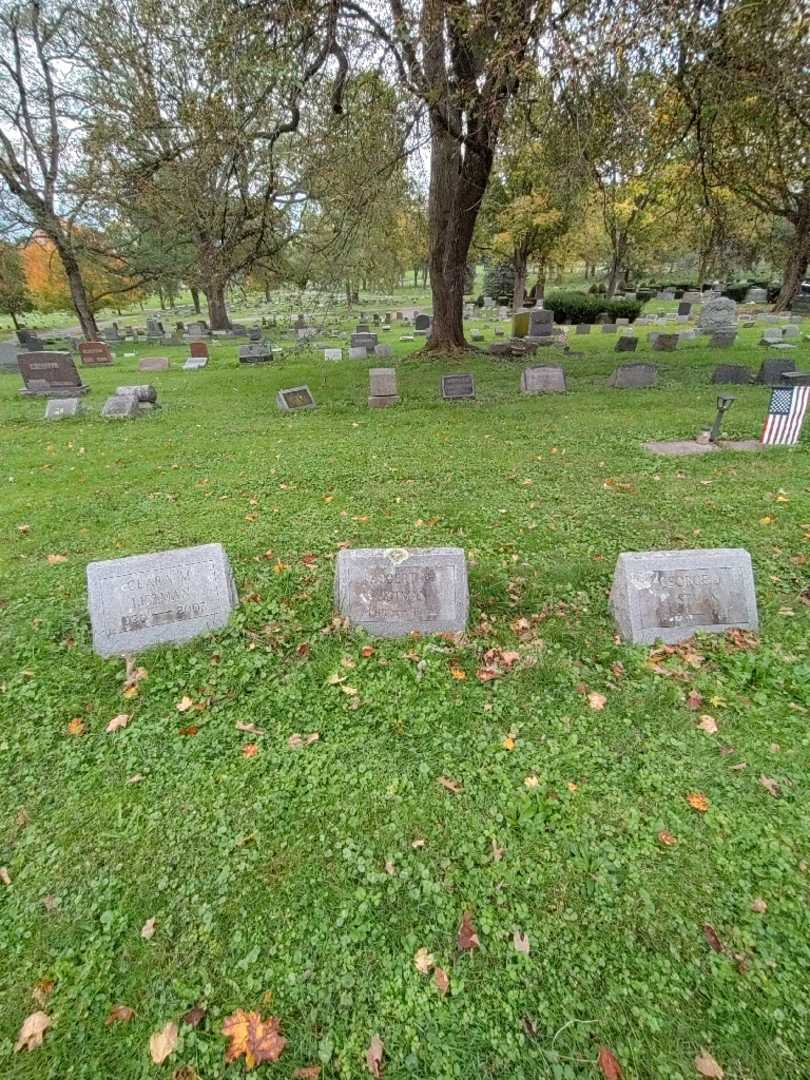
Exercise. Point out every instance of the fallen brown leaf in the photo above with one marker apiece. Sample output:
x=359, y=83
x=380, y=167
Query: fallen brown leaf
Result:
x=759, y=905
x=707, y=1066
x=667, y=839
x=194, y=1017
x=441, y=980
x=698, y=802
x=55, y=559
x=32, y=1031
x=119, y=1014
x=597, y=701
x=451, y=785
x=770, y=786
x=374, y=1056
x=497, y=852
x=76, y=726
x=5, y=877
x=307, y=1072
x=467, y=937
x=714, y=941
x=607, y=1062
x=250, y=750
x=118, y=722
x=694, y=699
x=162, y=1043
x=259, y=1040
x=41, y=990
x=148, y=929
x=184, y=704
x=298, y=742
x=708, y=724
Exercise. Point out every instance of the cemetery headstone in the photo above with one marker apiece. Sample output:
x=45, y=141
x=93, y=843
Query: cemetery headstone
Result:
x=61, y=408
x=626, y=343
x=144, y=394
x=790, y=331
x=382, y=388
x=154, y=363
x=732, y=374
x=383, y=350
x=295, y=398
x=8, y=357
x=358, y=352
x=634, y=376
x=520, y=324
x=458, y=387
x=260, y=353
x=541, y=322
x=718, y=314
x=94, y=353
x=723, y=339
x=543, y=379
x=333, y=354
x=50, y=374
x=195, y=363
x=396, y=591
x=684, y=308
x=198, y=349
x=770, y=373
x=164, y=598
x=673, y=594
x=665, y=342
x=365, y=339
x=608, y=328
x=622, y=322
x=361, y=328
x=422, y=323
x=120, y=407
x=583, y=328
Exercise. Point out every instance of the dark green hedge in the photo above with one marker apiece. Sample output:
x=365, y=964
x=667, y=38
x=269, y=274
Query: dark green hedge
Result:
x=579, y=307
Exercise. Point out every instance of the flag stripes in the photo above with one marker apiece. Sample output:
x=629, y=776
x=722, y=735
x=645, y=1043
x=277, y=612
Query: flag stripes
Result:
x=786, y=411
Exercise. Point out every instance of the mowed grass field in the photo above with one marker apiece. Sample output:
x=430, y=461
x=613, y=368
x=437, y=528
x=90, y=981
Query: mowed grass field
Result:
x=302, y=882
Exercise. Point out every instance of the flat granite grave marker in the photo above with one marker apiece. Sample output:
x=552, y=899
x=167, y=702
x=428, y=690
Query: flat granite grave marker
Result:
x=60, y=408
x=626, y=343
x=391, y=592
x=195, y=363
x=673, y=594
x=732, y=374
x=166, y=597
x=608, y=328
x=198, y=349
x=94, y=353
x=50, y=374
x=665, y=342
x=458, y=387
x=260, y=353
x=634, y=376
x=333, y=354
x=154, y=363
x=543, y=379
x=120, y=407
x=296, y=397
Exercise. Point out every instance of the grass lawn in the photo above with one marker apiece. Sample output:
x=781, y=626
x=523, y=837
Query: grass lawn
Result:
x=301, y=883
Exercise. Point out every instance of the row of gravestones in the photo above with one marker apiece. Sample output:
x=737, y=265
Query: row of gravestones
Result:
x=171, y=597
x=55, y=375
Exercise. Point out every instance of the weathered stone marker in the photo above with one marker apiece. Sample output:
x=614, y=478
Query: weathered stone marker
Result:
x=60, y=408
x=170, y=596
x=382, y=387
x=543, y=379
x=634, y=376
x=145, y=393
x=50, y=374
x=154, y=363
x=198, y=349
x=734, y=374
x=665, y=342
x=673, y=594
x=256, y=354
x=120, y=407
x=94, y=353
x=770, y=373
x=458, y=387
x=391, y=592
x=297, y=397
x=333, y=354
x=626, y=343
x=583, y=328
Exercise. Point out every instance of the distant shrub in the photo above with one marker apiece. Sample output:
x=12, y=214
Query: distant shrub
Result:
x=736, y=292
x=580, y=307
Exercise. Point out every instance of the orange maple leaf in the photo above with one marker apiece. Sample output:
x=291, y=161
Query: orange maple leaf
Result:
x=250, y=749
x=259, y=1040
x=698, y=802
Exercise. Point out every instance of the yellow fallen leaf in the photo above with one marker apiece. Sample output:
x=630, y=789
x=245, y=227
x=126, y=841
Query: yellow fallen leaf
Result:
x=423, y=961
x=162, y=1044
x=32, y=1031
x=458, y=673
x=54, y=559
x=531, y=781
x=508, y=743
x=698, y=802
x=130, y=692
x=76, y=726
x=767, y=520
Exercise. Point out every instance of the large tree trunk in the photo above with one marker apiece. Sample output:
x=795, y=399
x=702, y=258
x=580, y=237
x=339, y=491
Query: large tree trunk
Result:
x=78, y=293
x=519, y=261
x=217, y=308
x=457, y=186
x=195, y=298
x=797, y=260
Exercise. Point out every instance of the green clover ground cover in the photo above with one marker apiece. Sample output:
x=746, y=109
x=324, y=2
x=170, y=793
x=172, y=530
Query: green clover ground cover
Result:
x=294, y=881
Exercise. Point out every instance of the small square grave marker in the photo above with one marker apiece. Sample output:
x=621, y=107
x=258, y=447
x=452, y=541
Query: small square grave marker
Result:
x=154, y=363
x=673, y=594
x=458, y=387
x=120, y=407
x=297, y=397
x=333, y=354
x=543, y=379
x=260, y=353
x=626, y=343
x=60, y=408
x=94, y=353
x=634, y=376
x=393, y=592
x=167, y=597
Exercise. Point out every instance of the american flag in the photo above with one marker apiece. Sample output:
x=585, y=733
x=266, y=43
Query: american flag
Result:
x=786, y=410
